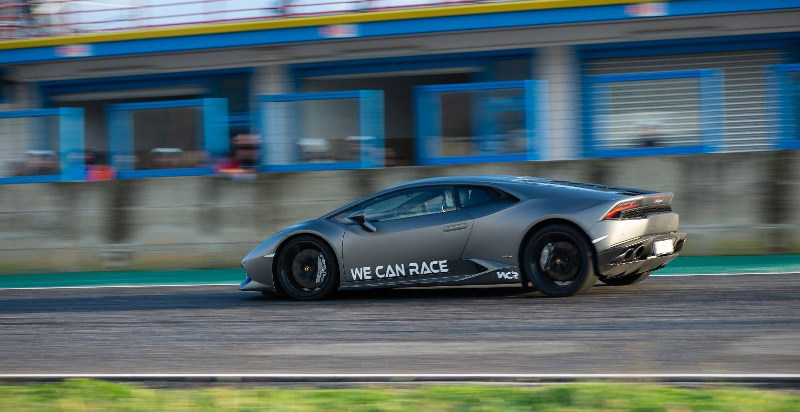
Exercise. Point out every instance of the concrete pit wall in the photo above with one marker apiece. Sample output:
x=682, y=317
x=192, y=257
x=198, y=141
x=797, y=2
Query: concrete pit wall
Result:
x=731, y=204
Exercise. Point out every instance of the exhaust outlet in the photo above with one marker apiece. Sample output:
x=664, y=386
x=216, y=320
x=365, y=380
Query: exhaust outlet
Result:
x=628, y=254
x=639, y=252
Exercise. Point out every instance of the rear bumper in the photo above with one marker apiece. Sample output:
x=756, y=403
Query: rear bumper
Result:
x=636, y=255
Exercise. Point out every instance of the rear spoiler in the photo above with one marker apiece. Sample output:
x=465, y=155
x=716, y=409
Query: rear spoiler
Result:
x=605, y=188
x=657, y=199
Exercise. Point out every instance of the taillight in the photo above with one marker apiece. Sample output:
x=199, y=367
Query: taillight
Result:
x=616, y=211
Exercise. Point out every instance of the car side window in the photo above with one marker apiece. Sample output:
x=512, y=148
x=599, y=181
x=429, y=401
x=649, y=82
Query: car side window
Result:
x=410, y=203
x=469, y=196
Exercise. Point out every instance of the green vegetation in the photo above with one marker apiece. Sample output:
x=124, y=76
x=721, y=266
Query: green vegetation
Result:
x=92, y=395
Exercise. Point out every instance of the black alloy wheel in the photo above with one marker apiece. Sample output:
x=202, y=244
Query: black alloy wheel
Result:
x=307, y=269
x=559, y=261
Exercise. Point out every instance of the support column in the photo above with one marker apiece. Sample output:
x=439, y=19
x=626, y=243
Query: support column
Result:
x=272, y=120
x=559, y=67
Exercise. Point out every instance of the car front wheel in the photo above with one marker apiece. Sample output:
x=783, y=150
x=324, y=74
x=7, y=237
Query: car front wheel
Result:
x=559, y=261
x=307, y=269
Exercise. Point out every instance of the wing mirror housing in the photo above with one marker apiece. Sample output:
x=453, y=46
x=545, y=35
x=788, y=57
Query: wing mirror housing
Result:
x=361, y=219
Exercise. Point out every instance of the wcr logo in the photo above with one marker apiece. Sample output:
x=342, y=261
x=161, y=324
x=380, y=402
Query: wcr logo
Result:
x=508, y=275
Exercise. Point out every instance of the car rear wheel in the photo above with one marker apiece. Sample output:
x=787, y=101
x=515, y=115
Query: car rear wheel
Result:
x=307, y=269
x=626, y=280
x=559, y=261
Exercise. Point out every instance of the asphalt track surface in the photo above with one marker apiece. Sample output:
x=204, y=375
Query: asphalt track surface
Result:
x=693, y=324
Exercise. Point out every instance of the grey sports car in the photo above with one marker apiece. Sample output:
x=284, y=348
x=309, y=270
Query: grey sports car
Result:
x=560, y=236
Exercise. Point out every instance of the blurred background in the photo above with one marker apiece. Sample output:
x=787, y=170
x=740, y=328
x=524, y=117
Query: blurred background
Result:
x=179, y=133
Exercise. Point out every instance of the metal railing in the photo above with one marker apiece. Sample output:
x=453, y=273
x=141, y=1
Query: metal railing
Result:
x=43, y=18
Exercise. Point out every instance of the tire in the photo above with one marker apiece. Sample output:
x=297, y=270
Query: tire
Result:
x=626, y=280
x=307, y=269
x=559, y=260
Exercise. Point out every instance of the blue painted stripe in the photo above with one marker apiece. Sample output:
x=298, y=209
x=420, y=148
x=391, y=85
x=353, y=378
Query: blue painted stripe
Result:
x=29, y=113
x=30, y=179
x=141, y=174
x=794, y=67
x=687, y=46
x=494, y=158
x=519, y=84
x=398, y=27
x=391, y=64
x=308, y=167
x=651, y=151
x=346, y=94
x=204, y=77
x=630, y=77
x=157, y=105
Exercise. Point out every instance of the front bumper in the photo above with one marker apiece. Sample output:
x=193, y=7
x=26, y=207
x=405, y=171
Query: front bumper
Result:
x=636, y=255
x=249, y=284
x=259, y=274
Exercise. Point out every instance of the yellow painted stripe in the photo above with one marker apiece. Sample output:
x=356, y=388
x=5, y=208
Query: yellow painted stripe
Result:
x=351, y=18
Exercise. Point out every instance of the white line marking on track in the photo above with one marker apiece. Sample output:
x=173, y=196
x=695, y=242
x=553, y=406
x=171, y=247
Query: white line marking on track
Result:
x=407, y=375
x=174, y=285
x=723, y=274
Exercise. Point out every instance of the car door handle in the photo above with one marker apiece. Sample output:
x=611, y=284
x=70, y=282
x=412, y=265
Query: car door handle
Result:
x=457, y=226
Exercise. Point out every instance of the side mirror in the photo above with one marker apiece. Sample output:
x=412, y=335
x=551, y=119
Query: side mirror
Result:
x=358, y=217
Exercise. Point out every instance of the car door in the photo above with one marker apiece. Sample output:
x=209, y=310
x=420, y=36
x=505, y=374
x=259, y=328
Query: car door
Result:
x=418, y=237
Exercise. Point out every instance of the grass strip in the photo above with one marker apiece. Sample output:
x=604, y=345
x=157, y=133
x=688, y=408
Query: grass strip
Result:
x=93, y=395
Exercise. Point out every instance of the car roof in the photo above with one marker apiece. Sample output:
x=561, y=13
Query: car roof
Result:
x=486, y=179
x=460, y=180
x=524, y=182
x=521, y=186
